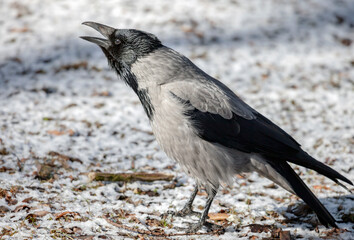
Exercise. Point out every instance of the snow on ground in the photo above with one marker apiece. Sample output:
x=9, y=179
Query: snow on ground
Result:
x=63, y=113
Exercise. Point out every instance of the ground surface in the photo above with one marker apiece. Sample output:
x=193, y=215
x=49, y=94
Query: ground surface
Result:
x=63, y=113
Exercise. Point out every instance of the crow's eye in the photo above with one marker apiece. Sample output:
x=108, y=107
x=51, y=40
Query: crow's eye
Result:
x=117, y=41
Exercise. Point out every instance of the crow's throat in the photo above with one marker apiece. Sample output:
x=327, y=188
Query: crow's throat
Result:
x=129, y=78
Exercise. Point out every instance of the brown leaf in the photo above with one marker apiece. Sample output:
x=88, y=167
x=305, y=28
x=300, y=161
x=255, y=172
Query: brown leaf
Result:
x=20, y=30
x=152, y=222
x=71, y=214
x=346, y=42
x=70, y=132
x=218, y=216
x=45, y=171
x=27, y=200
x=9, y=200
x=332, y=233
x=3, y=193
x=284, y=235
x=149, y=192
x=258, y=228
x=272, y=186
x=3, y=151
x=22, y=207
x=102, y=94
x=40, y=213
x=15, y=189
x=202, y=193
x=4, y=209
x=31, y=218
x=5, y=169
x=320, y=187
x=63, y=157
x=72, y=66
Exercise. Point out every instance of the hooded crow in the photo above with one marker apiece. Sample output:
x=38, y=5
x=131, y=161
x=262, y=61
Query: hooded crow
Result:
x=204, y=126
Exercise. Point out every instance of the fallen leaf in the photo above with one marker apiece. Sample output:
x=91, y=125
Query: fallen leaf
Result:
x=27, y=200
x=22, y=207
x=320, y=187
x=40, y=213
x=70, y=132
x=60, y=215
x=258, y=228
x=45, y=171
x=271, y=186
x=152, y=222
x=5, y=169
x=3, y=193
x=20, y=30
x=218, y=216
x=102, y=94
x=284, y=235
x=4, y=209
x=10, y=200
x=72, y=66
x=63, y=157
x=3, y=151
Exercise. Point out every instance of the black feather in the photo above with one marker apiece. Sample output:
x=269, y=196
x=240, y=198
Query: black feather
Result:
x=258, y=135
x=300, y=188
x=129, y=78
x=144, y=97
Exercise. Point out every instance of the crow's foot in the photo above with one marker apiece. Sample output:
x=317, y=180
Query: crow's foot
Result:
x=186, y=211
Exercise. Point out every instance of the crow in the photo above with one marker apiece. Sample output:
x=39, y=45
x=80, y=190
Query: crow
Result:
x=203, y=125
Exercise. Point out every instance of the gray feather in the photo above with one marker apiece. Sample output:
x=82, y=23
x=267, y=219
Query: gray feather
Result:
x=179, y=75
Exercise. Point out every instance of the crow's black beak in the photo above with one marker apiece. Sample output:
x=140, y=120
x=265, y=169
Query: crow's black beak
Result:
x=106, y=31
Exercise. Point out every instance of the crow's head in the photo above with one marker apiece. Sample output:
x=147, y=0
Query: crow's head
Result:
x=123, y=47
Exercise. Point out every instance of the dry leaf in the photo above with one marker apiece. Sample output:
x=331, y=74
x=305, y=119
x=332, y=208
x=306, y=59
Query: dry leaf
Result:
x=72, y=66
x=3, y=193
x=63, y=157
x=27, y=200
x=258, y=228
x=320, y=187
x=218, y=216
x=40, y=213
x=10, y=201
x=284, y=235
x=22, y=207
x=20, y=30
x=45, y=171
x=69, y=132
x=4, y=209
x=60, y=215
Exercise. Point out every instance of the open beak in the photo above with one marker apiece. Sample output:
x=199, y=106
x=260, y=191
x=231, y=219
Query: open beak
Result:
x=106, y=31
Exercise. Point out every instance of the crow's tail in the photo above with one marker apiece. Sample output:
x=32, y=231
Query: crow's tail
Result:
x=300, y=188
x=305, y=160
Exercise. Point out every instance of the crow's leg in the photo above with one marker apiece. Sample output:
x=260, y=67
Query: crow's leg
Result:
x=202, y=221
x=187, y=209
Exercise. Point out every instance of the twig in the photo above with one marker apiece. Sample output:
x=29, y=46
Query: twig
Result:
x=128, y=177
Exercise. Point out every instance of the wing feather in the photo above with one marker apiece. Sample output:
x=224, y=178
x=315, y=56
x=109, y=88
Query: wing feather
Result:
x=211, y=96
x=215, y=119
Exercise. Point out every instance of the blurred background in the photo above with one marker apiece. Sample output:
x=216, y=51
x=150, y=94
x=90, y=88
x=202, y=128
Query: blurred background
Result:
x=291, y=60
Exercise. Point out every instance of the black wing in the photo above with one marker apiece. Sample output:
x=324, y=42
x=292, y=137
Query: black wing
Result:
x=258, y=135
